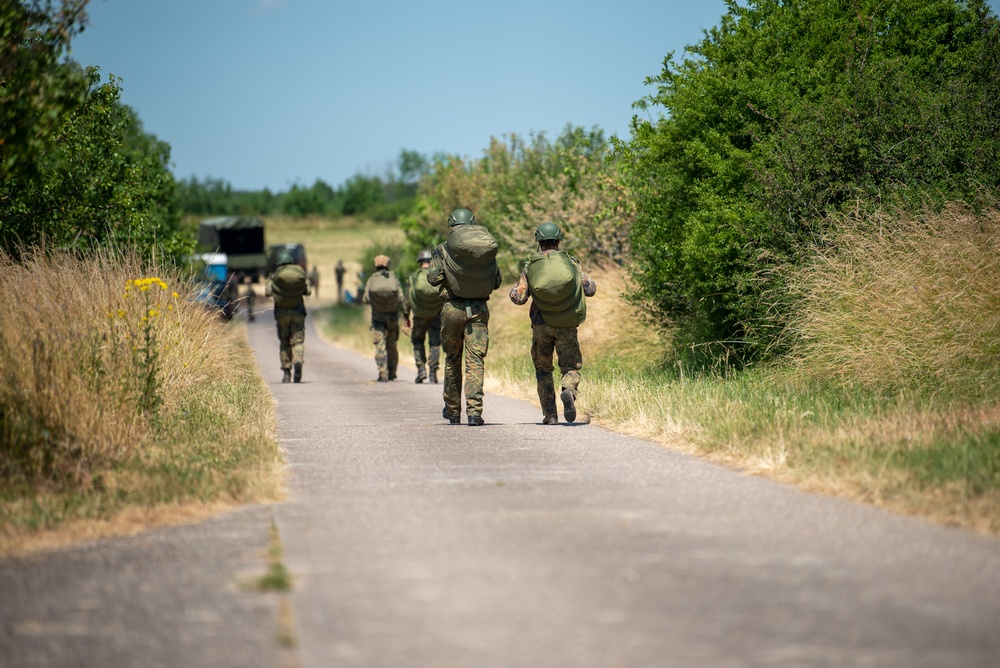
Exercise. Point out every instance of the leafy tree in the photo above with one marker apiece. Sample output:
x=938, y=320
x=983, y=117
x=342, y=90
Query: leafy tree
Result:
x=786, y=113
x=361, y=194
x=520, y=183
x=101, y=180
x=34, y=90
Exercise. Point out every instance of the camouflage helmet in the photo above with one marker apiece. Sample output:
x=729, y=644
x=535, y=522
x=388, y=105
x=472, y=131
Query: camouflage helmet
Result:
x=548, y=232
x=381, y=261
x=424, y=256
x=283, y=256
x=461, y=217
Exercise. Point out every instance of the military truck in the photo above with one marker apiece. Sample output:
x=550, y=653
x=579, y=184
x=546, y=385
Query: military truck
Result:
x=241, y=238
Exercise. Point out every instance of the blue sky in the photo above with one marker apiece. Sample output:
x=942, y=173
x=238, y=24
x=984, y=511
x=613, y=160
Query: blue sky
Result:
x=267, y=93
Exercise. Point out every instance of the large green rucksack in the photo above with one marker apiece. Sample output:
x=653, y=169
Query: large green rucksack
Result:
x=383, y=292
x=557, y=288
x=288, y=284
x=425, y=299
x=470, y=261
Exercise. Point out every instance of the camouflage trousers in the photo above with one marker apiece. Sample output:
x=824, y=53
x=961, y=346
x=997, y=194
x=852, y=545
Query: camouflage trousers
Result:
x=385, y=334
x=291, y=325
x=429, y=329
x=464, y=326
x=563, y=341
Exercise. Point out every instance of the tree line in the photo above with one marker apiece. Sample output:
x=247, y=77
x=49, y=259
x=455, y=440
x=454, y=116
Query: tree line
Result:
x=381, y=198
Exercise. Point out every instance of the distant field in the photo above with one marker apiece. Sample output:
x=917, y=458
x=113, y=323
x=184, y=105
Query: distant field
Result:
x=327, y=240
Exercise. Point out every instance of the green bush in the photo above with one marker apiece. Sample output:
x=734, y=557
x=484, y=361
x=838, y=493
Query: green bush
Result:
x=518, y=184
x=787, y=112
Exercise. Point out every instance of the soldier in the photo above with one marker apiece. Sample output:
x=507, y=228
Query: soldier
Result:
x=464, y=268
x=558, y=287
x=339, y=272
x=288, y=286
x=250, y=297
x=423, y=300
x=314, y=280
x=385, y=295
x=229, y=295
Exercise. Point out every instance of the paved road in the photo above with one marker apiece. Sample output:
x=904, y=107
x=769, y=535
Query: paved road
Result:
x=415, y=543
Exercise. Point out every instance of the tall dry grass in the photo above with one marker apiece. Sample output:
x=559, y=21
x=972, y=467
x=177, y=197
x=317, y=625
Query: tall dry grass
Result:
x=117, y=389
x=905, y=301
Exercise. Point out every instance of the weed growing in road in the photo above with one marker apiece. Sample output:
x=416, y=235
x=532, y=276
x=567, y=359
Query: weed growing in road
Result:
x=277, y=577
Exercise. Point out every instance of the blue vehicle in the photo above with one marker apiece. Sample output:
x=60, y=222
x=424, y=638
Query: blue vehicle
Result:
x=214, y=290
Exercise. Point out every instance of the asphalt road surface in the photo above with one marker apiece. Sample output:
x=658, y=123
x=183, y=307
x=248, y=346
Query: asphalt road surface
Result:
x=415, y=543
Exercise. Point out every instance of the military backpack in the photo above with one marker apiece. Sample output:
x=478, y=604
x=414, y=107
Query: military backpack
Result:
x=288, y=284
x=383, y=292
x=425, y=299
x=470, y=261
x=557, y=288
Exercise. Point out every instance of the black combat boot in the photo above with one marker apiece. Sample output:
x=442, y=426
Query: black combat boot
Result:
x=476, y=421
x=298, y=372
x=452, y=419
x=286, y=376
x=569, y=404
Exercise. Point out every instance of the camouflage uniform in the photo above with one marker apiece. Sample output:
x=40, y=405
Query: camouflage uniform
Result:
x=290, y=317
x=464, y=326
x=339, y=270
x=546, y=340
x=422, y=329
x=314, y=281
x=250, y=297
x=385, y=328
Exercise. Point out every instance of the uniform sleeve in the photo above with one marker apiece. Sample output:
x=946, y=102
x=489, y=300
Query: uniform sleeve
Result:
x=406, y=297
x=589, y=286
x=435, y=274
x=519, y=293
x=401, y=298
x=498, y=280
x=364, y=298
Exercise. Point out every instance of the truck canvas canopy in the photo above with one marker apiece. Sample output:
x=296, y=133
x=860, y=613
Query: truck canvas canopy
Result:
x=241, y=238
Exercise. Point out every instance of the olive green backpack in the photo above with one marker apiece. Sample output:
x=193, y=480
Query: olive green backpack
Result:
x=557, y=288
x=425, y=299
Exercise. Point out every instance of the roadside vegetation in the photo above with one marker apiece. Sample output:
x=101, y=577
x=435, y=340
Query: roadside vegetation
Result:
x=121, y=395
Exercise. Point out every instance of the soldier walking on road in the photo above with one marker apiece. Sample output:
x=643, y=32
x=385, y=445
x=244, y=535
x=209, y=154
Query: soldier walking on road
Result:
x=423, y=300
x=314, y=281
x=250, y=297
x=288, y=286
x=385, y=295
x=339, y=272
x=465, y=270
x=558, y=287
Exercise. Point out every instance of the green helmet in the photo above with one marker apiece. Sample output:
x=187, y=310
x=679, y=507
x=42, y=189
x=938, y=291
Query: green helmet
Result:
x=548, y=232
x=424, y=255
x=283, y=256
x=461, y=217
